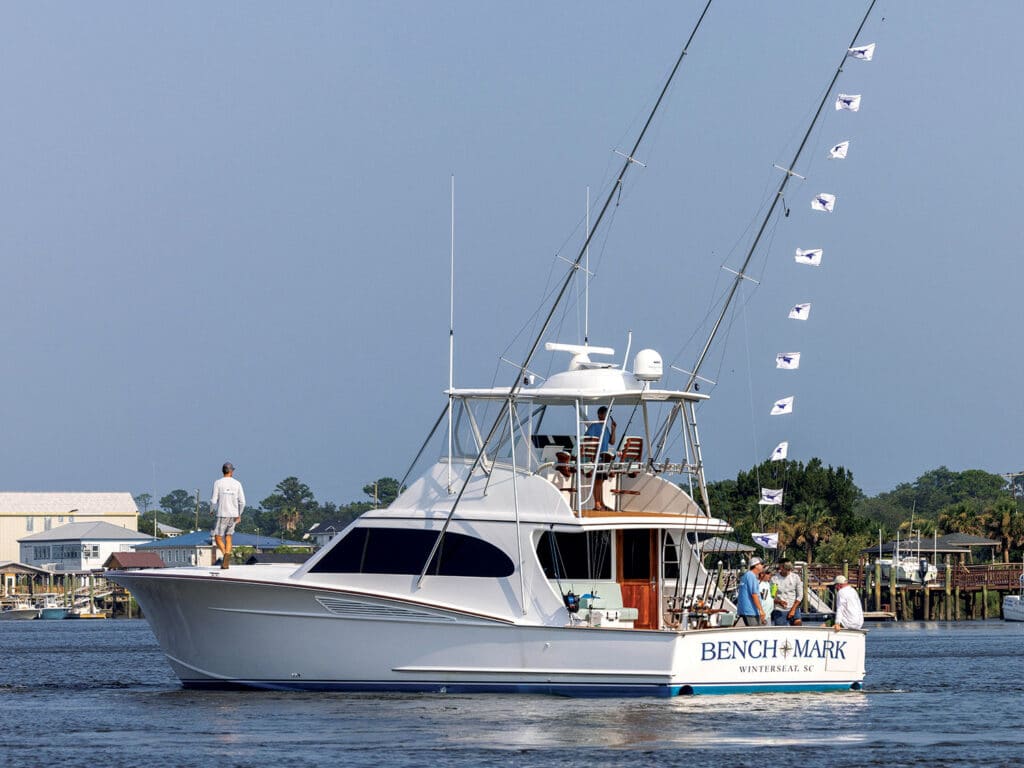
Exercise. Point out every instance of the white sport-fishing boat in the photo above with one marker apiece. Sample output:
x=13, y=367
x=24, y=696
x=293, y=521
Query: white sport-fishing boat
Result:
x=497, y=570
x=1013, y=605
x=19, y=611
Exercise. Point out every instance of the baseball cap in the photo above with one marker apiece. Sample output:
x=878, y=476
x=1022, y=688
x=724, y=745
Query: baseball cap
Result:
x=840, y=579
x=228, y=467
x=755, y=561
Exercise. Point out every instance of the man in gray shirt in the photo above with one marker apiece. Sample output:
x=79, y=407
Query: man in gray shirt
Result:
x=227, y=504
x=788, y=596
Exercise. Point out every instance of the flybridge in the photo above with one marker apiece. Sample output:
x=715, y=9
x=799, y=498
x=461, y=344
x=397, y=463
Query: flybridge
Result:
x=588, y=381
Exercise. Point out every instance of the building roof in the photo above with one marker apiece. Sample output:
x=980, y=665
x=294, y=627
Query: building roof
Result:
x=168, y=530
x=93, y=531
x=205, y=539
x=132, y=560
x=12, y=567
x=82, y=503
x=330, y=526
x=716, y=545
x=951, y=543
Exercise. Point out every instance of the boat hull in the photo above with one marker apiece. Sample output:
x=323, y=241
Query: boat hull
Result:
x=53, y=613
x=19, y=614
x=1013, y=608
x=218, y=632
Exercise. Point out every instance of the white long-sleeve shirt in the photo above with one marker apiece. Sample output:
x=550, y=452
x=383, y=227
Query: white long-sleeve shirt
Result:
x=849, y=614
x=228, y=499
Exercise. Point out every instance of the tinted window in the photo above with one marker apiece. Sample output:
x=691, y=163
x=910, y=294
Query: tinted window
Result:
x=403, y=551
x=575, y=555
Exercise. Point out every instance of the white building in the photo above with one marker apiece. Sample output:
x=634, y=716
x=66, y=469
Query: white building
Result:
x=25, y=514
x=78, y=546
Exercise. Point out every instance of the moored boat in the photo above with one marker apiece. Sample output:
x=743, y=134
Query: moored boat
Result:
x=51, y=609
x=19, y=611
x=1013, y=605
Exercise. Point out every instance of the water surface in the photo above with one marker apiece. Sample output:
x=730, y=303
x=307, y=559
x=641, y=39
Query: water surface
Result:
x=99, y=693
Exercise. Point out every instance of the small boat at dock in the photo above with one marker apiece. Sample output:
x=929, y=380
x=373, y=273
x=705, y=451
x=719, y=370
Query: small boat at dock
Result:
x=19, y=611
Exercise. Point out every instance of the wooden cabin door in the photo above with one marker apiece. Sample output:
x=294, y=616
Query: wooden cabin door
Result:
x=637, y=567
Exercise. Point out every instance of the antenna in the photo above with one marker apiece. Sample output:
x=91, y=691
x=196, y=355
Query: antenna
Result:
x=586, y=278
x=451, y=332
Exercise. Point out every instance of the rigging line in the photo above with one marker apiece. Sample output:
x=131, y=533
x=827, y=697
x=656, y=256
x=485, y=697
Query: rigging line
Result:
x=518, y=383
x=753, y=420
x=775, y=201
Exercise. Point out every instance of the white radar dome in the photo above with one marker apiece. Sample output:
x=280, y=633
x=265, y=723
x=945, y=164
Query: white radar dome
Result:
x=647, y=365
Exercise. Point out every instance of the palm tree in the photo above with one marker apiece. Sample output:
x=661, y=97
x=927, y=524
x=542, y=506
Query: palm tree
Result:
x=1005, y=522
x=813, y=523
x=961, y=517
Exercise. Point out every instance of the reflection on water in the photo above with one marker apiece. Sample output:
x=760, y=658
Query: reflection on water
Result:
x=100, y=693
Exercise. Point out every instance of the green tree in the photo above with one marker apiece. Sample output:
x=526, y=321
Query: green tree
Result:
x=1004, y=521
x=289, y=504
x=384, y=490
x=179, y=502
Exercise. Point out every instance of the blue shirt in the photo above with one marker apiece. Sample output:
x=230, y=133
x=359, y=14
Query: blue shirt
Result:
x=749, y=585
x=595, y=430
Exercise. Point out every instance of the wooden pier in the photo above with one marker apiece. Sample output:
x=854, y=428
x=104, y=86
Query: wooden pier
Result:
x=960, y=592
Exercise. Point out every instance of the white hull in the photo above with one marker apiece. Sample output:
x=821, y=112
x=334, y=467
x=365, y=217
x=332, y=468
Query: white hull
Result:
x=1013, y=608
x=263, y=635
x=19, y=614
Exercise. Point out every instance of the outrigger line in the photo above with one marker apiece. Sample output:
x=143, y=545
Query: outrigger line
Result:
x=790, y=361
x=518, y=383
x=788, y=174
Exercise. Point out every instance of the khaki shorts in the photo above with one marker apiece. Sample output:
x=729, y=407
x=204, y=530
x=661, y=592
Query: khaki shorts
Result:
x=225, y=526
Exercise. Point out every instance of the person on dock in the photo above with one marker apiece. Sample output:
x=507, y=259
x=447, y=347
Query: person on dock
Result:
x=748, y=600
x=227, y=504
x=849, y=613
x=789, y=594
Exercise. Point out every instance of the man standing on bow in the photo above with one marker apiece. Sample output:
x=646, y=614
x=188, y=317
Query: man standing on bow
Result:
x=227, y=503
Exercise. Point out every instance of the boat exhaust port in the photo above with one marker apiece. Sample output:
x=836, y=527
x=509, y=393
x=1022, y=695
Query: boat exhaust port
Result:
x=857, y=686
x=686, y=690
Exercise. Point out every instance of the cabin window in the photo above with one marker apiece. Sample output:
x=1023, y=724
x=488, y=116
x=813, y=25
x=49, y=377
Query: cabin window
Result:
x=403, y=552
x=575, y=556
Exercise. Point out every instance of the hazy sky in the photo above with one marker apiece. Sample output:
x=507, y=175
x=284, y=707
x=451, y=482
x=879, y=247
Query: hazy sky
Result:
x=225, y=228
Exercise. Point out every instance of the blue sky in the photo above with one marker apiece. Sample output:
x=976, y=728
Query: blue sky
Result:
x=225, y=228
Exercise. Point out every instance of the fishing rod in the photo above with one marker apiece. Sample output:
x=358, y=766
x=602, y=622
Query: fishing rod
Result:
x=740, y=274
x=574, y=267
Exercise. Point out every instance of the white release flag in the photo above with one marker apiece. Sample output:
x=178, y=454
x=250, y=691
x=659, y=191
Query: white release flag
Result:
x=823, y=201
x=810, y=256
x=800, y=311
x=848, y=101
x=780, y=452
x=787, y=361
x=783, y=406
x=862, y=52
x=766, y=540
x=838, y=152
x=771, y=496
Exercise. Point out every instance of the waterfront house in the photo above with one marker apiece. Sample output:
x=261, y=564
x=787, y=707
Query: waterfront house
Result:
x=196, y=548
x=321, y=533
x=26, y=513
x=75, y=547
x=13, y=574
